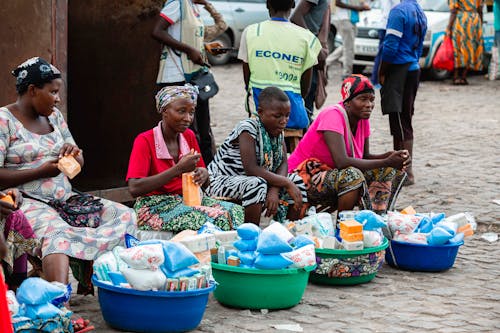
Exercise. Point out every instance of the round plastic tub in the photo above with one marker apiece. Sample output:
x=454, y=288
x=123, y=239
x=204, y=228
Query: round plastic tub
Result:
x=251, y=288
x=420, y=257
x=342, y=267
x=152, y=311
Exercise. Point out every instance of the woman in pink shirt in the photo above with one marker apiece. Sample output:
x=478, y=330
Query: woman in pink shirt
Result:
x=335, y=160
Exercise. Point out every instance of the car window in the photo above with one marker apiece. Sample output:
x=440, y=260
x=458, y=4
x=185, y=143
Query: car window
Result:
x=435, y=5
x=251, y=1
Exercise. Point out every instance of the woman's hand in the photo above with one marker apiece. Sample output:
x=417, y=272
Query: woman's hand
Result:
x=398, y=159
x=272, y=201
x=6, y=208
x=407, y=161
x=195, y=56
x=296, y=195
x=188, y=162
x=69, y=149
x=200, y=176
x=49, y=169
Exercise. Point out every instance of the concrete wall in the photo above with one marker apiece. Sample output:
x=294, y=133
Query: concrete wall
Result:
x=111, y=62
x=30, y=28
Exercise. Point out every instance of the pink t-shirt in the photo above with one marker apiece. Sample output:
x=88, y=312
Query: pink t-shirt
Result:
x=313, y=144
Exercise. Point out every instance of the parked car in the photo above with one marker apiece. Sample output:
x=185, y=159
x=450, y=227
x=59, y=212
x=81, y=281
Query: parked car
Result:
x=239, y=14
x=437, y=12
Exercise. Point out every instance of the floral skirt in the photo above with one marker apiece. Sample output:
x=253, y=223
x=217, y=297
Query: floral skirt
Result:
x=168, y=213
x=325, y=185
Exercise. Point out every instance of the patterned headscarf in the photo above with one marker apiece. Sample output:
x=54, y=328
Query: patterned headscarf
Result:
x=34, y=71
x=170, y=93
x=355, y=85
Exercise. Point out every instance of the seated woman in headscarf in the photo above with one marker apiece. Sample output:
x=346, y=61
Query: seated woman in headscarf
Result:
x=251, y=165
x=33, y=137
x=334, y=157
x=158, y=159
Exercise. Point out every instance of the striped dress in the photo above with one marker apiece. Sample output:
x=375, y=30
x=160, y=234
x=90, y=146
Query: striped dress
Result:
x=467, y=34
x=227, y=174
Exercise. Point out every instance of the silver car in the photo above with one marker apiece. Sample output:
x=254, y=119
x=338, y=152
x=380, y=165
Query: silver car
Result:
x=437, y=12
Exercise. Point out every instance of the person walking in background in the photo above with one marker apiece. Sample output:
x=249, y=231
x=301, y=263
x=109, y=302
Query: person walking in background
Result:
x=345, y=19
x=466, y=32
x=385, y=6
x=279, y=53
x=315, y=16
x=399, y=72
x=181, y=31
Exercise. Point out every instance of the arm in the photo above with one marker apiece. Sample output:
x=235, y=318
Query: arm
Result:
x=249, y=161
x=246, y=74
x=323, y=38
x=161, y=35
x=14, y=178
x=272, y=199
x=299, y=12
x=451, y=21
x=219, y=26
x=142, y=186
x=305, y=82
x=336, y=146
x=361, y=8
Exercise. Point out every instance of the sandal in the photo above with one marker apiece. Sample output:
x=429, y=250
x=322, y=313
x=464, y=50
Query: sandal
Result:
x=464, y=82
x=457, y=82
x=81, y=325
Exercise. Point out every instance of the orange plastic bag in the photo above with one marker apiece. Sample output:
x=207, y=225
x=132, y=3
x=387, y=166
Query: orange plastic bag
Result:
x=444, y=58
x=190, y=191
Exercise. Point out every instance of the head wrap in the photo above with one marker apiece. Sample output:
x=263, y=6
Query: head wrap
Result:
x=170, y=93
x=34, y=71
x=355, y=85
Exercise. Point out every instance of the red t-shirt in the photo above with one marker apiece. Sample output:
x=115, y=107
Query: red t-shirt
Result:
x=144, y=161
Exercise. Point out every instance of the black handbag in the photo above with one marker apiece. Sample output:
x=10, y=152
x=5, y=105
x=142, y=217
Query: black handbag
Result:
x=205, y=81
x=80, y=210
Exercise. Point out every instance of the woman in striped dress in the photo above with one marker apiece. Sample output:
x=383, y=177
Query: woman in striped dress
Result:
x=465, y=30
x=251, y=164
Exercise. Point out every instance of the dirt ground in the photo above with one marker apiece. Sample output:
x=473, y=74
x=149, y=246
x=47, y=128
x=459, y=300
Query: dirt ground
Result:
x=456, y=164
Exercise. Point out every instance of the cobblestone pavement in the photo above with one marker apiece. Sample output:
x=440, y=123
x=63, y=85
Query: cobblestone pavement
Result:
x=456, y=163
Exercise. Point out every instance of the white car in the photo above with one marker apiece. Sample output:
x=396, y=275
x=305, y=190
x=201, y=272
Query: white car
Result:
x=437, y=12
x=239, y=14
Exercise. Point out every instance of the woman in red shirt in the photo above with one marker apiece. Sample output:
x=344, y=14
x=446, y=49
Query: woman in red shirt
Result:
x=159, y=158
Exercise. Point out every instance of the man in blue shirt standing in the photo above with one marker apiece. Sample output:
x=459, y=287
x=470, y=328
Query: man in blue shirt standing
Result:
x=399, y=72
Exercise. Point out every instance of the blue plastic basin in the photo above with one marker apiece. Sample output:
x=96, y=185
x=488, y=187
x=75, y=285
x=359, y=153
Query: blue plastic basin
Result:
x=420, y=257
x=152, y=311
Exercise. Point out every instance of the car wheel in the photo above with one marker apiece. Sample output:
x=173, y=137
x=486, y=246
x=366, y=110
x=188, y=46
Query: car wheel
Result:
x=358, y=69
x=223, y=58
x=438, y=74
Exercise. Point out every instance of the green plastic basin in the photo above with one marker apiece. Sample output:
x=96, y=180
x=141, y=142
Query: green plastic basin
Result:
x=251, y=288
x=341, y=267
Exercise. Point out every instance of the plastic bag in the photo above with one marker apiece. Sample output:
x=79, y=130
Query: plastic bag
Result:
x=38, y=291
x=144, y=256
x=143, y=279
x=177, y=255
x=271, y=243
x=248, y=231
x=12, y=303
x=302, y=240
x=272, y=261
x=439, y=236
x=402, y=223
x=246, y=244
x=444, y=58
x=247, y=257
x=302, y=257
x=280, y=230
x=370, y=220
